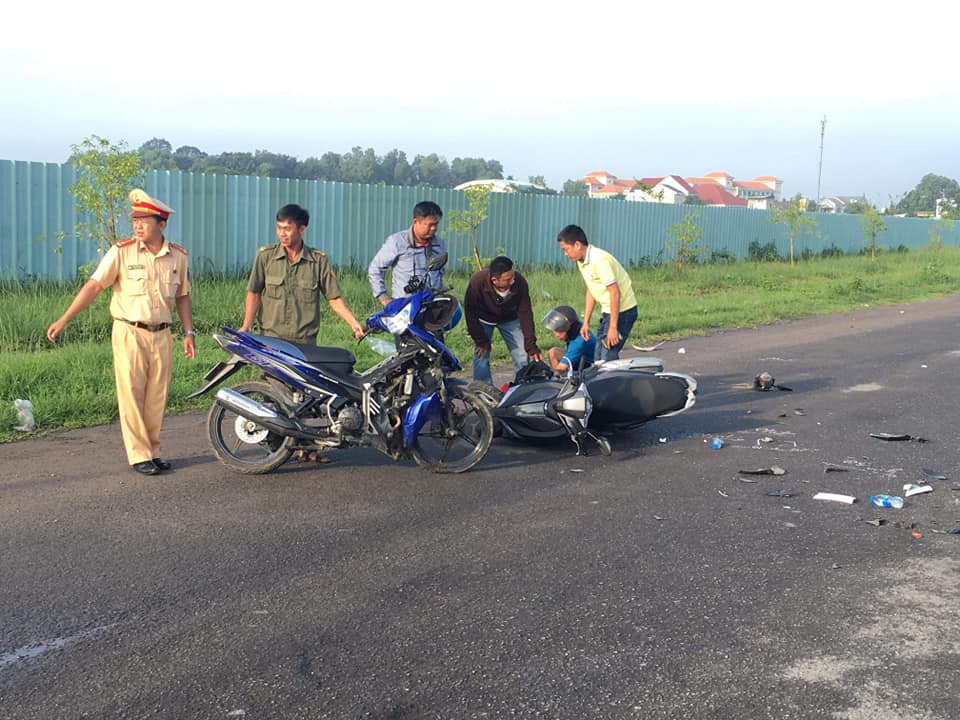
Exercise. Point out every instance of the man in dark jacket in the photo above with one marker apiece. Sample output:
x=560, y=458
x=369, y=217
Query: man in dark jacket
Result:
x=498, y=297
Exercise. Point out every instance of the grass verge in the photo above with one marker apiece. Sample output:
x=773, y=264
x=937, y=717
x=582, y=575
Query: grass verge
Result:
x=71, y=383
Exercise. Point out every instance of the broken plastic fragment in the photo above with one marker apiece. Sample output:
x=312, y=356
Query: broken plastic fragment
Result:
x=781, y=493
x=772, y=470
x=913, y=489
x=834, y=468
x=889, y=436
x=647, y=348
x=933, y=474
x=836, y=497
x=876, y=522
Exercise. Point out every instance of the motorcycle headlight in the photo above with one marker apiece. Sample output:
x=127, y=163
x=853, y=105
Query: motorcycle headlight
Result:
x=396, y=324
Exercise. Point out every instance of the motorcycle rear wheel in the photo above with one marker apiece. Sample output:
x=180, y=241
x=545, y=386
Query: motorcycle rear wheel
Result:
x=460, y=446
x=241, y=444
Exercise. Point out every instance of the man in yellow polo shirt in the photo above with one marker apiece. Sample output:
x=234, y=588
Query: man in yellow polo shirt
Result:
x=607, y=285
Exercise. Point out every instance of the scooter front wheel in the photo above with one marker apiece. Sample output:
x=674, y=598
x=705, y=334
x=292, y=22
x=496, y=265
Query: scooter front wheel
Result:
x=243, y=445
x=460, y=439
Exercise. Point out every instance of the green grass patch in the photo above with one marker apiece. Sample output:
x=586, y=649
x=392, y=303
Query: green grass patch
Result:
x=71, y=383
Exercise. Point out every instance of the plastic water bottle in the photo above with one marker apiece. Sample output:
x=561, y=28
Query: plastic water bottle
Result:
x=717, y=443
x=890, y=501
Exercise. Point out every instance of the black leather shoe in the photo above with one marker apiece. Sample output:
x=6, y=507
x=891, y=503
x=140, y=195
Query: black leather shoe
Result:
x=147, y=467
x=162, y=464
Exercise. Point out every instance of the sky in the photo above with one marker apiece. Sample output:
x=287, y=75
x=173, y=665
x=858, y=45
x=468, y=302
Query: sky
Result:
x=558, y=89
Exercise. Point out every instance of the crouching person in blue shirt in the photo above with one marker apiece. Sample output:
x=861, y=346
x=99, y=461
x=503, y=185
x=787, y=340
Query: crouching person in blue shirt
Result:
x=564, y=323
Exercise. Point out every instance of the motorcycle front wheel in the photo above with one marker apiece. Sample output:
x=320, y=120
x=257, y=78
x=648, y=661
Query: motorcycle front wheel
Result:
x=460, y=439
x=490, y=395
x=243, y=445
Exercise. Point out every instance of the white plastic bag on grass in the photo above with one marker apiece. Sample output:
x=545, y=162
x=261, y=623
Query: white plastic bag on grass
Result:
x=24, y=410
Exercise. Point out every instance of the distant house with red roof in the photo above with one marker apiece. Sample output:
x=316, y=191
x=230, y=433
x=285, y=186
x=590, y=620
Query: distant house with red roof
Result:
x=711, y=193
x=602, y=184
x=669, y=189
x=763, y=192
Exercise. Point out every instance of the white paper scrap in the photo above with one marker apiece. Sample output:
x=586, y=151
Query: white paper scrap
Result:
x=836, y=497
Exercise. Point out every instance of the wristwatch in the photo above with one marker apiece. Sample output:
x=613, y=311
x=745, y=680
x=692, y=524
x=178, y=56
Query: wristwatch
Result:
x=191, y=333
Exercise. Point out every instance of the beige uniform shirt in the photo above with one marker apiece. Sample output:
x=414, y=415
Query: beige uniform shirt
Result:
x=290, y=292
x=145, y=286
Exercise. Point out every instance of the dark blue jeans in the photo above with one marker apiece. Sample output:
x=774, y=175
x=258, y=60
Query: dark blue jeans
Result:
x=624, y=326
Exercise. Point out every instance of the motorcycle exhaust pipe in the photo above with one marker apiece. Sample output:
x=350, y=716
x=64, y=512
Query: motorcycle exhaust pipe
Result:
x=262, y=415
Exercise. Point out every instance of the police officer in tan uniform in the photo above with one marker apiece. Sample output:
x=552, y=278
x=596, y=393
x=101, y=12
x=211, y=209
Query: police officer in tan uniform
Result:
x=149, y=277
x=286, y=282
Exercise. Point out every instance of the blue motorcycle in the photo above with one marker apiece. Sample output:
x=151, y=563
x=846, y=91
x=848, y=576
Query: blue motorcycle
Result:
x=309, y=399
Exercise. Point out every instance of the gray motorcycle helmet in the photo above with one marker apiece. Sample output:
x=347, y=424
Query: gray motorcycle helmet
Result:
x=560, y=319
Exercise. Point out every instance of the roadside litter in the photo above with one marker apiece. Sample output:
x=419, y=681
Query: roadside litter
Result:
x=897, y=436
x=24, y=409
x=835, y=497
x=647, y=348
x=772, y=470
x=765, y=381
x=782, y=493
x=716, y=443
x=914, y=489
x=889, y=501
x=933, y=474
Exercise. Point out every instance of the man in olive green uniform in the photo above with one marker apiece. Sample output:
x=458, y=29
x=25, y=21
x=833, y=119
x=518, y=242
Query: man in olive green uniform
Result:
x=286, y=282
x=149, y=277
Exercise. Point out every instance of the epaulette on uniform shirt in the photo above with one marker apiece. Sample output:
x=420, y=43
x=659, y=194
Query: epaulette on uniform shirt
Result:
x=181, y=248
x=124, y=243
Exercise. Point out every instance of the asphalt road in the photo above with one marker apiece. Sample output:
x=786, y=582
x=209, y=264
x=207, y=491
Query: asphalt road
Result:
x=655, y=583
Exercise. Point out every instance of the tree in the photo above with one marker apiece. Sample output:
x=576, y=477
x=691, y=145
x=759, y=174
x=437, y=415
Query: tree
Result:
x=431, y=170
x=685, y=242
x=872, y=225
x=359, y=166
x=395, y=169
x=857, y=207
x=464, y=169
x=467, y=222
x=156, y=154
x=106, y=173
x=186, y=155
x=795, y=220
x=577, y=188
x=923, y=198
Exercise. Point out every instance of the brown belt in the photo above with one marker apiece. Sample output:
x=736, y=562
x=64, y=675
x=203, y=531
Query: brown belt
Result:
x=146, y=326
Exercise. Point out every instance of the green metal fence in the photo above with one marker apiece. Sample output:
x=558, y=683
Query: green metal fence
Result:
x=222, y=220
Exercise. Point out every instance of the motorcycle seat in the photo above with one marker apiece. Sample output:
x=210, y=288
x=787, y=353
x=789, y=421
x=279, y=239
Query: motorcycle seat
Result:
x=339, y=359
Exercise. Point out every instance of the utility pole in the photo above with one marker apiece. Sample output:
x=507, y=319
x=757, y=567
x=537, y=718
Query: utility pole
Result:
x=823, y=127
